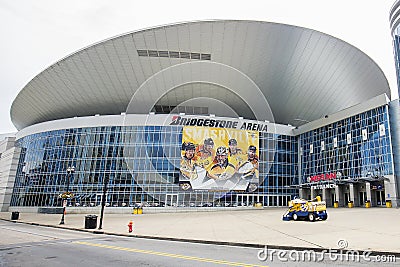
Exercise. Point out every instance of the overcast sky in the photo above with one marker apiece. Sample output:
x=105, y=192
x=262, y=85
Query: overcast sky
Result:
x=37, y=33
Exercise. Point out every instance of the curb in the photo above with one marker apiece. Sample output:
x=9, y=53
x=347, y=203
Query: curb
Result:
x=213, y=242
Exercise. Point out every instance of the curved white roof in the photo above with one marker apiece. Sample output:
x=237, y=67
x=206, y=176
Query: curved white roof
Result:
x=302, y=74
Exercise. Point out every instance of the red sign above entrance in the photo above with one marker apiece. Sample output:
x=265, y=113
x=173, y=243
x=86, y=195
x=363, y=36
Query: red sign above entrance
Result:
x=322, y=177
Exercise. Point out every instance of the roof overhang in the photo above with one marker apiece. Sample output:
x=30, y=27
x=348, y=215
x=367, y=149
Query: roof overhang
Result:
x=262, y=70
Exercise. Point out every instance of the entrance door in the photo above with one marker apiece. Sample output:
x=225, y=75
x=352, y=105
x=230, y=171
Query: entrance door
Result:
x=346, y=198
x=363, y=197
x=318, y=193
x=333, y=199
x=245, y=200
x=171, y=200
x=99, y=197
x=380, y=198
x=251, y=200
x=248, y=199
x=241, y=200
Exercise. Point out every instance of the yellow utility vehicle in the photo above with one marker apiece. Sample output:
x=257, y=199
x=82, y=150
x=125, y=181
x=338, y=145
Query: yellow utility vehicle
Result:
x=311, y=210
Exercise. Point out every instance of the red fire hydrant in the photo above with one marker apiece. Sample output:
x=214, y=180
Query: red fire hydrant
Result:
x=130, y=227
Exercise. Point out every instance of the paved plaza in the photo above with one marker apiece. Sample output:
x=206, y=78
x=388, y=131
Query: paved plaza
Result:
x=374, y=229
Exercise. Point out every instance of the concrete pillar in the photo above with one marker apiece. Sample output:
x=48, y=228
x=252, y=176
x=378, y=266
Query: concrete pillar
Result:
x=338, y=194
x=393, y=184
x=352, y=193
x=390, y=190
x=9, y=158
x=313, y=193
x=303, y=193
x=368, y=190
x=325, y=195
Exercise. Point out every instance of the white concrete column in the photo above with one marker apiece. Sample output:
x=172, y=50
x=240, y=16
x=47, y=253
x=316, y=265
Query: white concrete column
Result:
x=9, y=157
x=368, y=190
x=313, y=193
x=338, y=194
x=390, y=190
x=352, y=193
x=303, y=193
x=324, y=195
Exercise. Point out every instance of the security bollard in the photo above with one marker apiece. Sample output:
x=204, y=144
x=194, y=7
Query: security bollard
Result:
x=350, y=204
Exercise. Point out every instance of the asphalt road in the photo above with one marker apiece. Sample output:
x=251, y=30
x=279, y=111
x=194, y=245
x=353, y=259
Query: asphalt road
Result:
x=27, y=245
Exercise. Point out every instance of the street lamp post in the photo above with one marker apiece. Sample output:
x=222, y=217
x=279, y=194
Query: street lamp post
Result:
x=70, y=171
x=103, y=201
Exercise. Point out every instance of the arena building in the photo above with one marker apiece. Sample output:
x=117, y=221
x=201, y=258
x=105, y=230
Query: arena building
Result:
x=218, y=113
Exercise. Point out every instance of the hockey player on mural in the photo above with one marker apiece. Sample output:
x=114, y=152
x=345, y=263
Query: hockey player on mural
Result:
x=221, y=168
x=227, y=168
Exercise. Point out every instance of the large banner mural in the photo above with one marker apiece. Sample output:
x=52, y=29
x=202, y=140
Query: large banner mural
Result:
x=219, y=159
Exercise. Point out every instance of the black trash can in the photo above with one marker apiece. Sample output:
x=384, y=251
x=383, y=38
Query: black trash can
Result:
x=14, y=215
x=90, y=221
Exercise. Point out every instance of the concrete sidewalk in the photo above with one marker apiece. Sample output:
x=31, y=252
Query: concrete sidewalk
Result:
x=374, y=229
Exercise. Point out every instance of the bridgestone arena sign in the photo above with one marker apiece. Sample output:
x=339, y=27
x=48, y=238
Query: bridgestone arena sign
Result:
x=231, y=124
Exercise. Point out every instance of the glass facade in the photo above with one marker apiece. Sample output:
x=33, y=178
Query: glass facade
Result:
x=396, y=48
x=279, y=160
x=355, y=147
x=140, y=164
